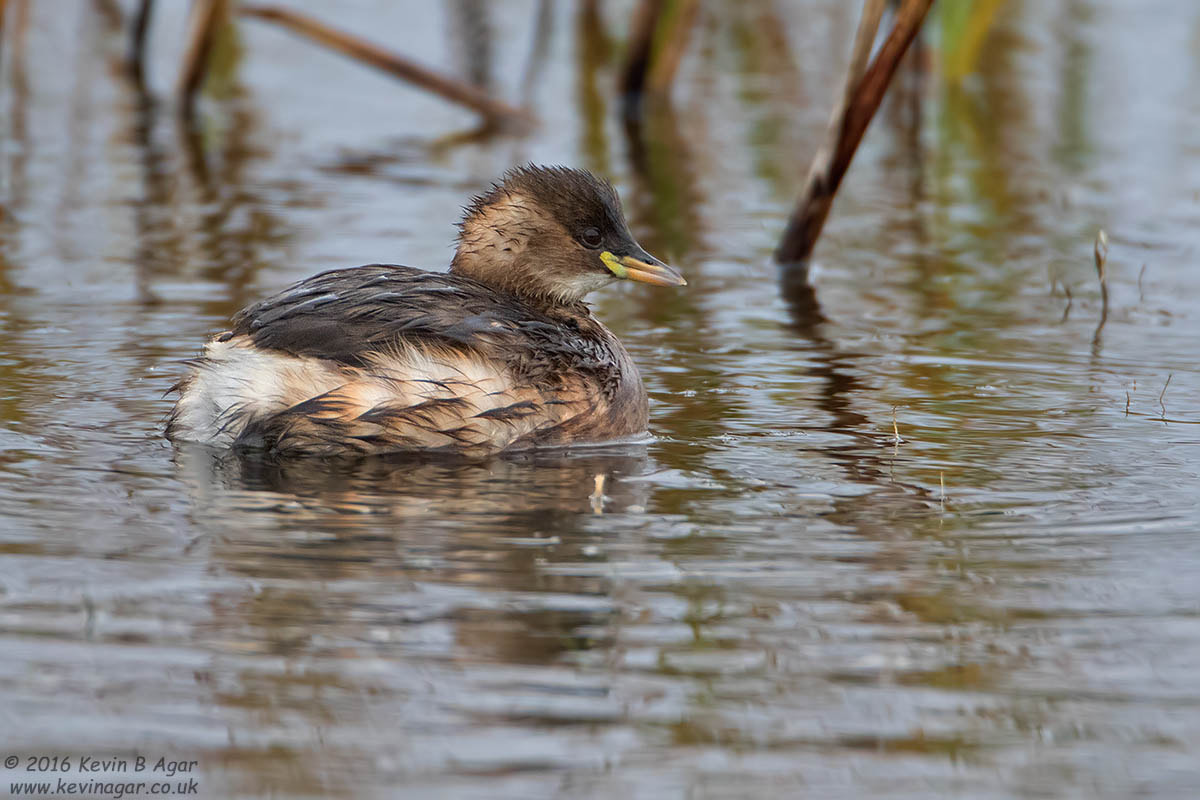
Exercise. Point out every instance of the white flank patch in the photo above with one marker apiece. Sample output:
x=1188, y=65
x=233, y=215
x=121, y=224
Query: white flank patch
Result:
x=236, y=384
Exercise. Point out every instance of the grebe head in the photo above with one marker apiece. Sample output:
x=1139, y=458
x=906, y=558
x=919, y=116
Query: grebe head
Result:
x=552, y=233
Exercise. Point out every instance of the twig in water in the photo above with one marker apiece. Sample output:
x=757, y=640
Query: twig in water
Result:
x=642, y=26
x=942, y=480
x=449, y=88
x=864, y=90
x=672, y=45
x=1070, y=300
x=1162, y=394
x=137, y=41
x=895, y=430
x=659, y=33
x=1100, y=251
x=1141, y=294
x=206, y=15
x=1127, y=403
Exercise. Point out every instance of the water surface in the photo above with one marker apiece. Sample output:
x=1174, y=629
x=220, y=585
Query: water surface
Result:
x=769, y=596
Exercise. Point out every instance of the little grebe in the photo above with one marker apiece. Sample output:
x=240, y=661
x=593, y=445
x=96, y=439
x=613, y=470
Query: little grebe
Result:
x=501, y=352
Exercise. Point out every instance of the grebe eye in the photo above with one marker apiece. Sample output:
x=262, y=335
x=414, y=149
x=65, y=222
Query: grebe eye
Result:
x=591, y=237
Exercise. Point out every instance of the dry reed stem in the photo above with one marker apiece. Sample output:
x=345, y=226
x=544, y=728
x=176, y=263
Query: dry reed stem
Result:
x=636, y=66
x=860, y=55
x=1163, y=394
x=822, y=183
x=137, y=39
x=395, y=65
x=861, y=100
x=1100, y=252
x=672, y=45
x=202, y=27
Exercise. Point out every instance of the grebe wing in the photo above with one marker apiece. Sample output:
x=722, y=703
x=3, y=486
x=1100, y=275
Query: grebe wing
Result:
x=348, y=315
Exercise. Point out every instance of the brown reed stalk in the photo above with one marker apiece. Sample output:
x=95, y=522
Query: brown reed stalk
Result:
x=1100, y=254
x=636, y=65
x=671, y=45
x=137, y=40
x=864, y=90
x=658, y=35
x=397, y=66
x=205, y=16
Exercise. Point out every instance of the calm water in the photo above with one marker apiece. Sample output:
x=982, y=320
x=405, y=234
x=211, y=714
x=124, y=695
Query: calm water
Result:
x=768, y=597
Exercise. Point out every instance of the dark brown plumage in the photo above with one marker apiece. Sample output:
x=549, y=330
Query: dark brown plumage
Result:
x=499, y=353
